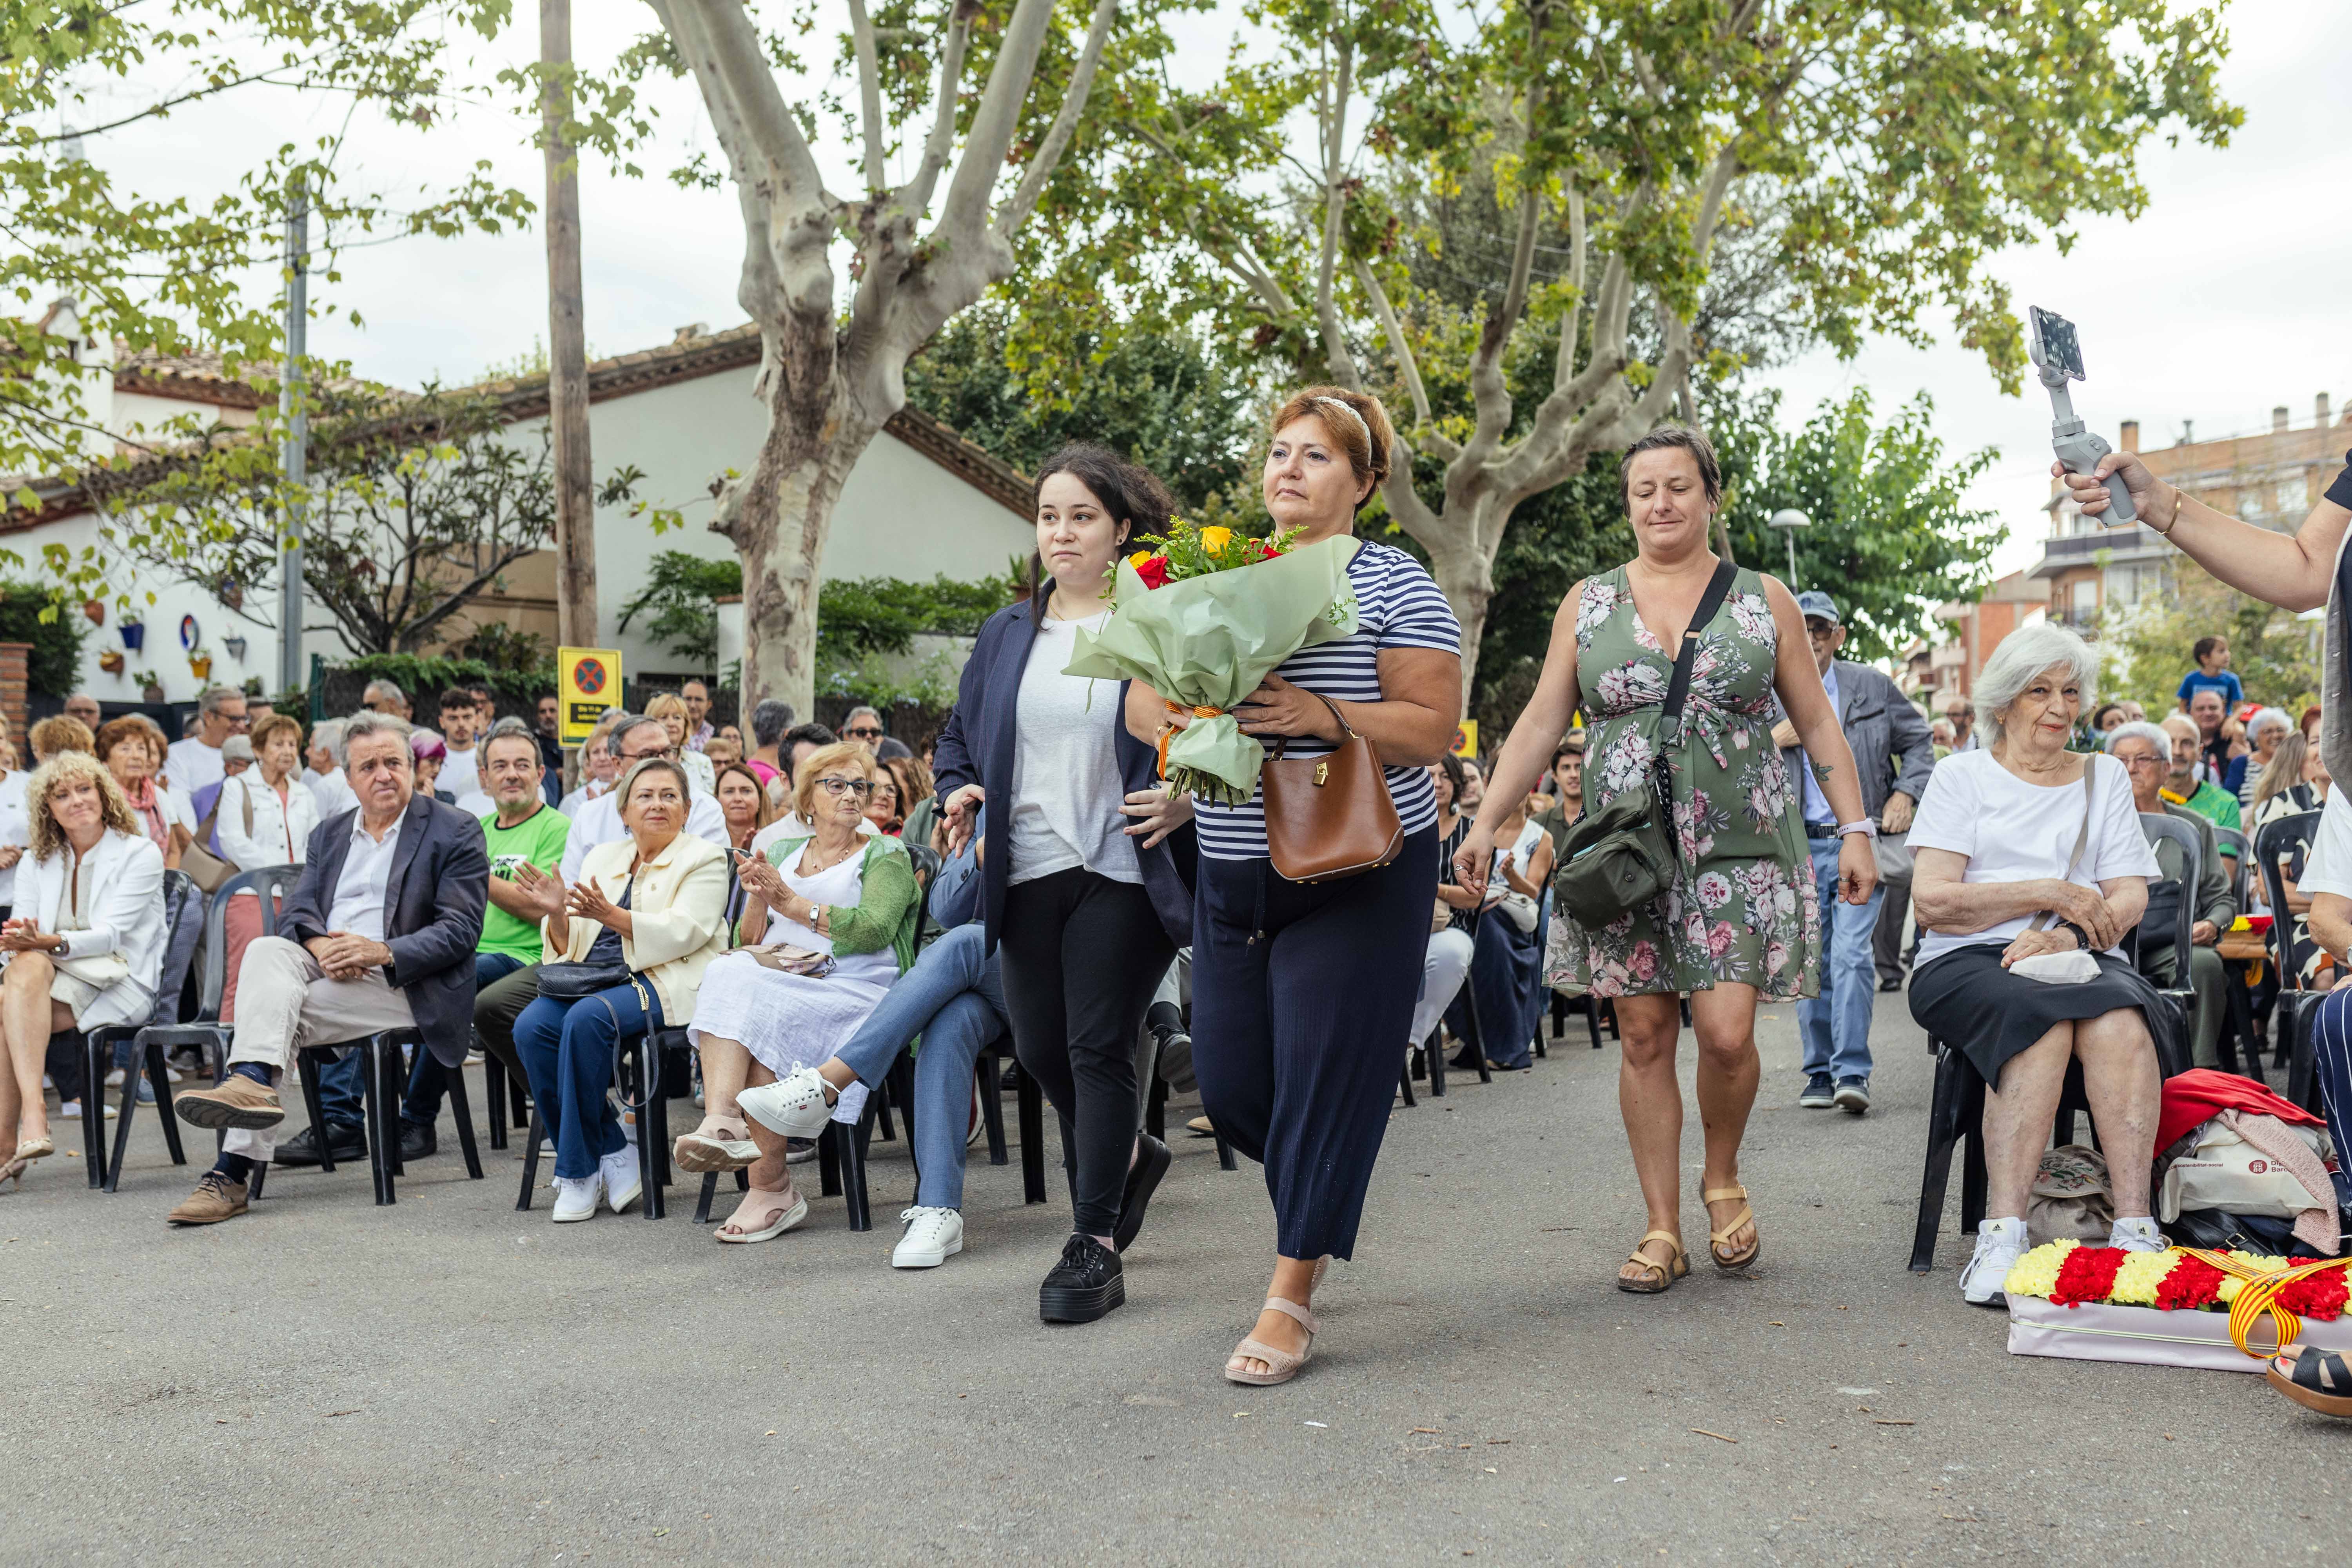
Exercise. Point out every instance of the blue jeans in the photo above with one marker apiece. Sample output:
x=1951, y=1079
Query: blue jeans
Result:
x=567, y=1048
x=953, y=999
x=338, y=1092
x=1836, y=1025
x=428, y=1081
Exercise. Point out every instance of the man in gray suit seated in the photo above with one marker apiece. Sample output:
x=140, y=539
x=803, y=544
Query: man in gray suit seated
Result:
x=1893, y=755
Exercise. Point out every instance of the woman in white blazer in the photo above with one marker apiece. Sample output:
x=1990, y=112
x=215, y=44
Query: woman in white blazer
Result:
x=265, y=818
x=624, y=951
x=84, y=945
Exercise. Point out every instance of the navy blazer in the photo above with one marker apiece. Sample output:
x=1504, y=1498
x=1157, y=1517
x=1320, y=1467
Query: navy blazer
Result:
x=976, y=747
x=439, y=887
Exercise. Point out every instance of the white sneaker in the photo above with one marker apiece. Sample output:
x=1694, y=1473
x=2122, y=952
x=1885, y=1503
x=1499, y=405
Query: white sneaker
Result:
x=1999, y=1244
x=792, y=1106
x=618, y=1173
x=575, y=1197
x=2136, y=1235
x=114, y=1078
x=932, y=1236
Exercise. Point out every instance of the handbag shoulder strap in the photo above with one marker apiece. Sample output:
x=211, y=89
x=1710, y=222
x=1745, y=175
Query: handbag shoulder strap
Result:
x=2082, y=836
x=1718, y=588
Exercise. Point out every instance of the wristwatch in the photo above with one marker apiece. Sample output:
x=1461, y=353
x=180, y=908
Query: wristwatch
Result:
x=2082, y=937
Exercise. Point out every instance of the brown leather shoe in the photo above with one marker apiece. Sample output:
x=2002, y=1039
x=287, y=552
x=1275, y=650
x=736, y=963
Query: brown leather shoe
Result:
x=237, y=1102
x=216, y=1198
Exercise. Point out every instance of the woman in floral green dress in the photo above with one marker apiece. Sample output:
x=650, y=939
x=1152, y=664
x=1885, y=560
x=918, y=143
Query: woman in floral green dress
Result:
x=1741, y=921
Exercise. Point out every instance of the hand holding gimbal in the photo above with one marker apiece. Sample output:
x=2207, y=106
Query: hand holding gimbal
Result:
x=2057, y=356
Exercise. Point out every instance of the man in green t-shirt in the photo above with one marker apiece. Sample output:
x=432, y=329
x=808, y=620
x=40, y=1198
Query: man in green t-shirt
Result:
x=506, y=964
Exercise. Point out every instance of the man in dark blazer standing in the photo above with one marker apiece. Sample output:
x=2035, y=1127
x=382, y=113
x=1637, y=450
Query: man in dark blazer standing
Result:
x=1894, y=753
x=379, y=935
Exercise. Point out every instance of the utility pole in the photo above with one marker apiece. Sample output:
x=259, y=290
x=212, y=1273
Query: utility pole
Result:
x=567, y=346
x=293, y=456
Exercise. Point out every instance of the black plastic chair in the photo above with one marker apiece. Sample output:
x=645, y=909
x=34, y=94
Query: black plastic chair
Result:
x=2276, y=841
x=841, y=1169
x=642, y=1065
x=1955, y=1108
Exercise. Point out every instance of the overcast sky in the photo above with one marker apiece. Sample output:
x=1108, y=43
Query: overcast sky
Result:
x=2227, y=296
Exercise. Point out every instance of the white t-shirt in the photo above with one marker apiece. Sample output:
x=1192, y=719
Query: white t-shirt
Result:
x=461, y=771
x=189, y=765
x=2329, y=867
x=2012, y=831
x=1067, y=788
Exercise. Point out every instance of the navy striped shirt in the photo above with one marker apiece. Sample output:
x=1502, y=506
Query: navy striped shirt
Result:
x=1397, y=605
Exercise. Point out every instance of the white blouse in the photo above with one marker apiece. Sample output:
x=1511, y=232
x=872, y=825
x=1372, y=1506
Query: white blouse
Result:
x=1066, y=787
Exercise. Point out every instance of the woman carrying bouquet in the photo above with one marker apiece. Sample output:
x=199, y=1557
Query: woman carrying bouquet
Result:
x=1303, y=992
x=1081, y=880
x=1741, y=920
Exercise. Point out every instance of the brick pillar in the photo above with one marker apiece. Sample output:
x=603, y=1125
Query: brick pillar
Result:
x=13, y=657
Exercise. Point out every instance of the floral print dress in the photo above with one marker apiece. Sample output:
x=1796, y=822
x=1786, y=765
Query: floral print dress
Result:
x=1743, y=907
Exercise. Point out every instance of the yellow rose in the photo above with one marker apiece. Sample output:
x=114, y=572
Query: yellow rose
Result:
x=1139, y=557
x=1215, y=540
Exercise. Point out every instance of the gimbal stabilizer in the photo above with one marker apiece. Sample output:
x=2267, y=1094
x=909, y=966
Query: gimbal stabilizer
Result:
x=2050, y=343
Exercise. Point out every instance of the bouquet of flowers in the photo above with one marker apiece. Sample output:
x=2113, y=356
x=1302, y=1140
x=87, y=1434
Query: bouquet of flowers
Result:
x=1202, y=616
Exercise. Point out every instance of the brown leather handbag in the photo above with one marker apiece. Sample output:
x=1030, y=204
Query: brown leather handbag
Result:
x=1330, y=816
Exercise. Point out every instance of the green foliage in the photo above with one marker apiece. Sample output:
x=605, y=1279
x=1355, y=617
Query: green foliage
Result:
x=1181, y=405
x=172, y=273
x=36, y=614
x=2145, y=648
x=500, y=647
x=678, y=590
x=1891, y=538
x=424, y=679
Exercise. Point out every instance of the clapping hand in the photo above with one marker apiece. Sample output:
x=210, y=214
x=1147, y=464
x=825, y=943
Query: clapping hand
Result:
x=22, y=936
x=545, y=889
x=587, y=901
x=759, y=880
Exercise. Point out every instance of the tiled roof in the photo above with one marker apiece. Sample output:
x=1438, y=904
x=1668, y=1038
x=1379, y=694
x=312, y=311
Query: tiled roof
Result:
x=200, y=378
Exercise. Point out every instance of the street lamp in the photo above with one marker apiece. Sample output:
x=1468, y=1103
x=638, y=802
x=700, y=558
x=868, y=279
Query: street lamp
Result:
x=1788, y=520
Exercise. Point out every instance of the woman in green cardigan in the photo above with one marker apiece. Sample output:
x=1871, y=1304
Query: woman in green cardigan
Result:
x=831, y=893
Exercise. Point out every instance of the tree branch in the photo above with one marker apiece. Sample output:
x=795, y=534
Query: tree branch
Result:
x=1048, y=156
x=869, y=92
x=1393, y=328
x=1334, y=111
x=721, y=43
x=994, y=122
x=915, y=196
x=1572, y=321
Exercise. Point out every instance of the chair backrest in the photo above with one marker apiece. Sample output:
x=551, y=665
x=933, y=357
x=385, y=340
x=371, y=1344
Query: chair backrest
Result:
x=269, y=884
x=2275, y=840
x=927, y=871
x=2161, y=825
x=2236, y=850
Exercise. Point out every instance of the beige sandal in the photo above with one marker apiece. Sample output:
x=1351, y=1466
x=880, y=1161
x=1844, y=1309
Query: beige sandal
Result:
x=1746, y=1217
x=1665, y=1273
x=1281, y=1365
x=778, y=1216
x=715, y=1146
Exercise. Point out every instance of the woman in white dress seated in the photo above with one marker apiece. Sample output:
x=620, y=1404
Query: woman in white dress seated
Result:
x=832, y=891
x=86, y=943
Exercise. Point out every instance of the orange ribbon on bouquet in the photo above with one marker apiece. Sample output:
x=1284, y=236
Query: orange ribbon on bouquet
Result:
x=2258, y=1298
x=1168, y=731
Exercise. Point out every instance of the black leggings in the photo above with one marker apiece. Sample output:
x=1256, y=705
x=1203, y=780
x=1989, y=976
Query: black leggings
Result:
x=1081, y=956
x=1302, y=997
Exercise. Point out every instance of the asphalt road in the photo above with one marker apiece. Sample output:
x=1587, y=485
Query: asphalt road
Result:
x=449, y=1381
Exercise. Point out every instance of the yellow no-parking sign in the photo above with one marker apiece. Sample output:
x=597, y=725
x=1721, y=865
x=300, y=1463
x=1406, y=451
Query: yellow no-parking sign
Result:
x=1465, y=739
x=589, y=682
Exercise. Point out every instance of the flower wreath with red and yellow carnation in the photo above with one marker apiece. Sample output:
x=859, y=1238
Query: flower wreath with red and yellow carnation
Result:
x=2069, y=1273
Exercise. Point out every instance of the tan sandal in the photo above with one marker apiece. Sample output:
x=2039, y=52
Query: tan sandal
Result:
x=1666, y=1272
x=772, y=1217
x=715, y=1145
x=1281, y=1365
x=1746, y=1217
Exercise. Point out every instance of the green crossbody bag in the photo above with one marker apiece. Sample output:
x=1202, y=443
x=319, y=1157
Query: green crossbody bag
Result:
x=1621, y=857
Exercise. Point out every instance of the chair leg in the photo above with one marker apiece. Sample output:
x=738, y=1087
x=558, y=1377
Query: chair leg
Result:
x=1433, y=1051
x=1405, y=1080
x=1030, y=1100
x=157, y=1078
x=902, y=1093
x=306, y=1063
x=653, y=1133
x=519, y=1106
x=992, y=1107
x=1937, y=1174
x=828, y=1161
x=534, y=1137
x=93, y=1116
x=1225, y=1161
x=1155, y=1115
x=494, y=1098
x=852, y=1174
x=384, y=1148
x=2303, y=1065
x=709, y=1191
x=461, y=1109
x=1593, y=1018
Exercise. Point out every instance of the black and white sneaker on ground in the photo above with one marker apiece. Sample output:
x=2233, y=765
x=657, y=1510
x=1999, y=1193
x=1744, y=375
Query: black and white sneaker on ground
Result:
x=1853, y=1094
x=1819, y=1094
x=1085, y=1285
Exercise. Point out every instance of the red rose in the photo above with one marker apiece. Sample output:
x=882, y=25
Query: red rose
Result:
x=1153, y=569
x=1264, y=551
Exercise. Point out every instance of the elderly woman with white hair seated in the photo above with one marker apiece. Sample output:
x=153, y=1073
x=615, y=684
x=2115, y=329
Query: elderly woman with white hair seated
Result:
x=2265, y=728
x=2024, y=850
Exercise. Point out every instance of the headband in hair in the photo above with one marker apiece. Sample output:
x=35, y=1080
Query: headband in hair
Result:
x=1344, y=406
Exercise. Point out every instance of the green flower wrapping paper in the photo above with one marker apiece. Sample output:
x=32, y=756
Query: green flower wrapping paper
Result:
x=1210, y=641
